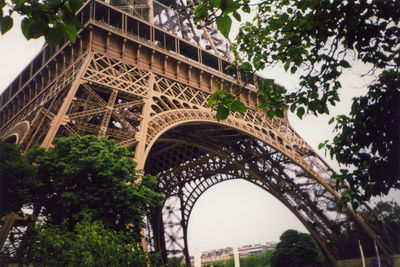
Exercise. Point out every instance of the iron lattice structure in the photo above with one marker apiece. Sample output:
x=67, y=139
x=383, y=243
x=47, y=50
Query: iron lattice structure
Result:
x=147, y=87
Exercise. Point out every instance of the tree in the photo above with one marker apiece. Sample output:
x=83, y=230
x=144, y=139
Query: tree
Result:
x=175, y=262
x=319, y=39
x=91, y=175
x=369, y=140
x=260, y=260
x=53, y=19
x=85, y=179
x=89, y=244
x=389, y=211
x=296, y=249
x=17, y=179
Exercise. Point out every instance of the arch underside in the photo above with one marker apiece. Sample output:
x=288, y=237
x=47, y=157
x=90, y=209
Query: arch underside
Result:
x=192, y=157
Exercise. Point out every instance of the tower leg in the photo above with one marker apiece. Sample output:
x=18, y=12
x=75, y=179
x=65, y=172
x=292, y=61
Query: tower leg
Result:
x=65, y=105
x=184, y=227
x=157, y=224
x=141, y=146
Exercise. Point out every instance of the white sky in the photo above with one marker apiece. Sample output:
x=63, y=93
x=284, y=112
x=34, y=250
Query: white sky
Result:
x=232, y=213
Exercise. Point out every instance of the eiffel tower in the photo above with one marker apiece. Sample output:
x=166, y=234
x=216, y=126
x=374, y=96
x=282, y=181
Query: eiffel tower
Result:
x=141, y=72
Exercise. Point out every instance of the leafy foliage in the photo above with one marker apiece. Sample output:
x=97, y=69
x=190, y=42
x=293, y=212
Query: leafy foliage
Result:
x=297, y=249
x=369, y=140
x=224, y=102
x=17, y=179
x=53, y=19
x=89, y=244
x=174, y=262
x=390, y=213
x=260, y=260
x=91, y=175
x=316, y=35
x=86, y=188
x=318, y=39
x=222, y=18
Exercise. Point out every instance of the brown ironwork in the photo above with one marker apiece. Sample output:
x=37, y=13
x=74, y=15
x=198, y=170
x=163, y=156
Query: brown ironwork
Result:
x=147, y=88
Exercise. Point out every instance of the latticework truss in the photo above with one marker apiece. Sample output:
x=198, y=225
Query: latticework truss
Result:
x=177, y=17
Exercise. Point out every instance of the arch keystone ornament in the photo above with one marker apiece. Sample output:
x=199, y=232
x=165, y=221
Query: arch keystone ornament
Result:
x=144, y=79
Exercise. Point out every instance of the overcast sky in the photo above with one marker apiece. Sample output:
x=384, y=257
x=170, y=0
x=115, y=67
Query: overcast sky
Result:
x=232, y=213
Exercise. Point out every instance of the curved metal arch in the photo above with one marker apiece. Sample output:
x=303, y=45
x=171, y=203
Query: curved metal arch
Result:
x=12, y=138
x=165, y=121
x=204, y=147
x=188, y=205
x=262, y=186
x=20, y=130
x=293, y=190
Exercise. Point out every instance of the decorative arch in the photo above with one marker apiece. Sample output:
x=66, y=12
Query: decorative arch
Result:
x=291, y=146
x=13, y=138
x=188, y=149
x=19, y=131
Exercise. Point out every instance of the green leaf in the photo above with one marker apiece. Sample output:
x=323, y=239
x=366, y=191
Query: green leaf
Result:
x=70, y=18
x=246, y=67
x=314, y=94
x=344, y=64
x=292, y=107
x=212, y=102
x=55, y=35
x=216, y=3
x=279, y=113
x=246, y=8
x=222, y=113
x=25, y=27
x=300, y=112
x=18, y=3
x=37, y=28
x=224, y=24
x=238, y=106
x=331, y=120
x=201, y=12
x=313, y=105
x=236, y=15
x=75, y=4
x=229, y=6
x=269, y=82
x=262, y=106
x=226, y=98
x=287, y=65
x=271, y=114
x=321, y=145
x=70, y=32
x=6, y=24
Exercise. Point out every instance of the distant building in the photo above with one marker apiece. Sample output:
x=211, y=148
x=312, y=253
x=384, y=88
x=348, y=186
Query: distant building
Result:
x=225, y=254
x=255, y=249
x=222, y=254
